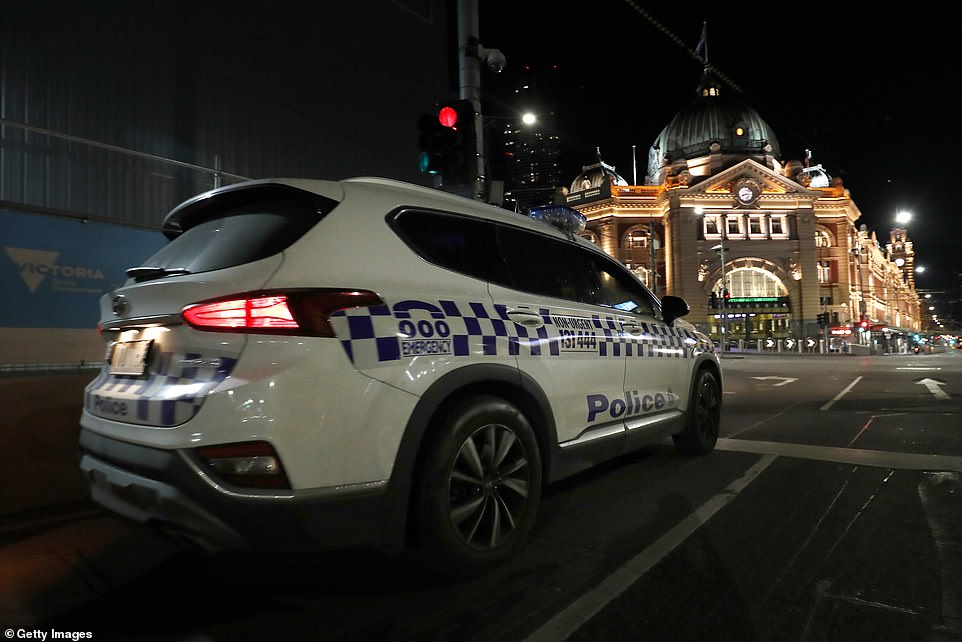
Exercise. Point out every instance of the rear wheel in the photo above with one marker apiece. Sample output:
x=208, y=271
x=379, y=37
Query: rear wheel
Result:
x=704, y=416
x=479, y=487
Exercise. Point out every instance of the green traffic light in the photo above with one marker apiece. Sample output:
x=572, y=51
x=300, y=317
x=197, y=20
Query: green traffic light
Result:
x=424, y=164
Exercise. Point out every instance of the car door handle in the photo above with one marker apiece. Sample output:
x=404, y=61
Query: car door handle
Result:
x=631, y=328
x=526, y=318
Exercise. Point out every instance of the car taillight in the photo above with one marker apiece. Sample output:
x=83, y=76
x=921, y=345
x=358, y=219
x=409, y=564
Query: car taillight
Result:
x=250, y=464
x=266, y=312
x=294, y=312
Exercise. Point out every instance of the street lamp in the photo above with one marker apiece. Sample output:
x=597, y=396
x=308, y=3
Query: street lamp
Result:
x=857, y=256
x=721, y=249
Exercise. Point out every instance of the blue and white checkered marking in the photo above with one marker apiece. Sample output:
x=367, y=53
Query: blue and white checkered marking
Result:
x=170, y=394
x=385, y=334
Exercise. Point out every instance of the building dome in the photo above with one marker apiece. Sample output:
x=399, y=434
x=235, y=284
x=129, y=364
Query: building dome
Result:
x=596, y=175
x=713, y=125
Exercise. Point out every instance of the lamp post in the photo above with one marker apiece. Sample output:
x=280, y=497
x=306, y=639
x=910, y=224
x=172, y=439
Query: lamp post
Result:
x=721, y=249
x=651, y=258
x=857, y=259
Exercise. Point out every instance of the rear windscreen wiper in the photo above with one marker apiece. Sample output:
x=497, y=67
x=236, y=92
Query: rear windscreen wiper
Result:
x=145, y=272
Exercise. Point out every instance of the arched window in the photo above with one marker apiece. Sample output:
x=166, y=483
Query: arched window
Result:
x=636, y=238
x=752, y=282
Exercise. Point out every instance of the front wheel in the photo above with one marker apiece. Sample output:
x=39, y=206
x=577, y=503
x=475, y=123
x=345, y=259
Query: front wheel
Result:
x=479, y=487
x=704, y=416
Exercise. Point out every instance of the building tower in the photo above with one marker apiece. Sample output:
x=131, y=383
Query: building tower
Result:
x=532, y=151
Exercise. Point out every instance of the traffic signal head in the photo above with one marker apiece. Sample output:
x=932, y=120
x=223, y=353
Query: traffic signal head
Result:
x=863, y=324
x=448, y=141
x=434, y=139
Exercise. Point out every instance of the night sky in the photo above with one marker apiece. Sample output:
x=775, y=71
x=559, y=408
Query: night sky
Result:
x=873, y=94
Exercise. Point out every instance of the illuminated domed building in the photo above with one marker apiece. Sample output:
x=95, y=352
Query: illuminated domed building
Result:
x=795, y=263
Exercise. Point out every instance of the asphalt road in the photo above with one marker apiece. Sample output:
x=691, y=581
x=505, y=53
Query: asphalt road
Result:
x=832, y=510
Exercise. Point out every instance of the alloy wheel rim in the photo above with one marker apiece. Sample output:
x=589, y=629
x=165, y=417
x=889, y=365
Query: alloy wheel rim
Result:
x=707, y=409
x=488, y=487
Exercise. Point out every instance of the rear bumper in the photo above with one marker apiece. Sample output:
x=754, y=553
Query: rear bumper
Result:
x=164, y=489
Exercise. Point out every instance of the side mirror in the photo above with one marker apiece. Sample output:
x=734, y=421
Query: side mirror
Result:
x=673, y=307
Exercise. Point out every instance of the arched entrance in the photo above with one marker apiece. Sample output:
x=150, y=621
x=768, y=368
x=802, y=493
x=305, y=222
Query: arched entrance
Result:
x=759, y=304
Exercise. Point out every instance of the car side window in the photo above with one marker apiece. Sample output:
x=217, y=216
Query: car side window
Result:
x=459, y=243
x=623, y=291
x=545, y=266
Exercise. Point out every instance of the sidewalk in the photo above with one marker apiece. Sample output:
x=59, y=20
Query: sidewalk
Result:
x=59, y=557
x=40, y=428
x=57, y=549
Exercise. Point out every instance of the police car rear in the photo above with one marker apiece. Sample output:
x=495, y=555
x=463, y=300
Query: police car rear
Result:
x=222, y=371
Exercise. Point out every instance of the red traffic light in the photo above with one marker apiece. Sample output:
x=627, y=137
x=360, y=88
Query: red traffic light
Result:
x=863, y=323
x=448, y=116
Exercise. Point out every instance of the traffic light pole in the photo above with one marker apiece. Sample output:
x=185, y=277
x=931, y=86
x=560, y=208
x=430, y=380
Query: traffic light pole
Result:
x=720, y=248
x=469, y=77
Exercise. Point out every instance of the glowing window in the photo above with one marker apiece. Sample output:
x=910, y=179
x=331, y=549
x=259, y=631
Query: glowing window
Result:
x=753, y=282
x=824, y=272
x=637, y=239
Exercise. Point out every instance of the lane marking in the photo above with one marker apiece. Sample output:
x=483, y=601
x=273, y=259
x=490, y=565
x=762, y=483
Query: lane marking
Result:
x=856, y=456
x=782, y=380
x=570, y=619
x=848, y=388
x=766, y=419
x=935, y=387
x=864, y=428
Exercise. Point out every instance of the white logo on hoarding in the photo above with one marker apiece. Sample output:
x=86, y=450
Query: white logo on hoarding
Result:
x=35, y=265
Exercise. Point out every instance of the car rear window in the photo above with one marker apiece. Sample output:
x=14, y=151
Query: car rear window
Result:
x=458, y=243
x=236, y=228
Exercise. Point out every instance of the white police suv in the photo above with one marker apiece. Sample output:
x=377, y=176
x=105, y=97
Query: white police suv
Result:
x=317, y=364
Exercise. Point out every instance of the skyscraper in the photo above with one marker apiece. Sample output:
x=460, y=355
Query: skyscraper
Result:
x=529, y=152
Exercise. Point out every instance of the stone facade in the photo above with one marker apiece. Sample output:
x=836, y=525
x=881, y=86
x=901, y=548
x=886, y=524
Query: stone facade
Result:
x=792, y=251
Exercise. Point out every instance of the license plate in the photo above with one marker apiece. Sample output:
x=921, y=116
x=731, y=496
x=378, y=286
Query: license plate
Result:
x=129, y=358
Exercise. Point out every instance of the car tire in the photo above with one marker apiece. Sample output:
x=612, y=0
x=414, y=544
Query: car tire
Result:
x=479, y=487
x=704, y=416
